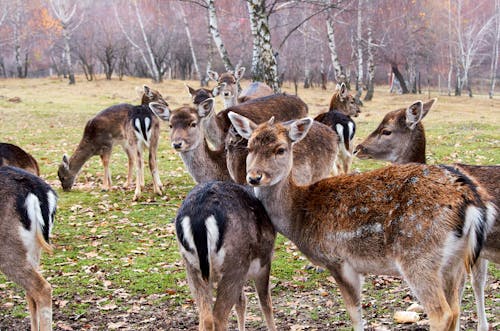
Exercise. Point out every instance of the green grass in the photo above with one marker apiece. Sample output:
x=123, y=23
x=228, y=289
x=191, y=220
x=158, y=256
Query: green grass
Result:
x=109, y=249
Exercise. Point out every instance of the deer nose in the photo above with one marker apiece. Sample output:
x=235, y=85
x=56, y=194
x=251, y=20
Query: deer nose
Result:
x=254, y=179
x=177, y=145
x=358, y=149
x=226, y=94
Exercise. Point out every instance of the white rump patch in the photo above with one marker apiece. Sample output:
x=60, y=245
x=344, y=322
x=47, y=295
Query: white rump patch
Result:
x=52, y=199
x=351, y=130
x=215, y=258
x=340, y=131
x=473, y=218
x=32, y=205
x=191, y=257
x=138, y=131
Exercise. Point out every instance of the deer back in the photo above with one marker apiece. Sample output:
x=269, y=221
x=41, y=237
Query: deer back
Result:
x=15, y=156
x=253, y=91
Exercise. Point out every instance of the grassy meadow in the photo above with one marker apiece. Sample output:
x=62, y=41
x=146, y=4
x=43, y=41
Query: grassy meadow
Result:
x=116, y=264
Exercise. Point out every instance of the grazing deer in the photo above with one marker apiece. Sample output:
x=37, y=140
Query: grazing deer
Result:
x=106, y=129
x=15, y=156
x=400, y=138
x=27, y=210
x=225, y=237
x=342, y=101
x=187, y=138
x=228, y=86
x=425, y=223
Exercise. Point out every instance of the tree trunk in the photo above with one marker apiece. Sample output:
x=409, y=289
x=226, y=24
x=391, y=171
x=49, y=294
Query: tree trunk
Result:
x=359, y=35
x=190, y=42
x=214, y=29
x=266, y=69
x=371, y=66
x=494, y=55
x=450, y=53
x=340, y=77
x=400, y=78
x=67, y=54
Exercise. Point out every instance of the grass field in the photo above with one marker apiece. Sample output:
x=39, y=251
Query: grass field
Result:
x=116, y=264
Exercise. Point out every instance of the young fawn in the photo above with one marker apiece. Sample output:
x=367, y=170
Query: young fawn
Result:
x=15, y=156
x=27, y=211
x=425, y=223
x=400, y=138
x=117, y=124
x=225, y=237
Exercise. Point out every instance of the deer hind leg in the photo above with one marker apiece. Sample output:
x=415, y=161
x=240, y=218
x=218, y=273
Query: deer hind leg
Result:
x=264, y=292
x=349, y=282
x=229, y=289
x=106, y=183
x=202, y=295
x=33, y=312
x=131, y=164
x=453, y=280
x=153, y=164
x=241, y=306
x=478, y=280
x=139, y=177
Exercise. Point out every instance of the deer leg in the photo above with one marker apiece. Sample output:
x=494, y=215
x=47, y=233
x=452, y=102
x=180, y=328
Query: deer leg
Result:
x=478, y=280
x=264, y=293
x=229, y=289
x=241, y=306
x=453, y=280
x=153, y=165
x=349, y=282
x=202, y=295
x=106, y=183
x=139, y=178
x=33, y=312
x=131, y=162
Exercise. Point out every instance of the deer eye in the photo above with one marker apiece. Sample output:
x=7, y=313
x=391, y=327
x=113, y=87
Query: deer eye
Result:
x=280, y=151
x=386, y=132
x=170, y=125
x=193, y=124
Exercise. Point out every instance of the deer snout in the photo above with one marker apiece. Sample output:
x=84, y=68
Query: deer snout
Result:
x=360, y=152
x=254, y=178
x=177, y=145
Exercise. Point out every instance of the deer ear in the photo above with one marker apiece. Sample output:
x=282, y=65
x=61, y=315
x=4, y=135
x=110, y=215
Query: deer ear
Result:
x=243, y=125
x=414, y=114
x=427, y=106
x=65, y=161
x=148, y=91
x=160, y=110
x=191, y=90
x=298, y=129
x=216, y=91
x=213, y=75
x=205, y=107
x=343, y=91
x=239, y=73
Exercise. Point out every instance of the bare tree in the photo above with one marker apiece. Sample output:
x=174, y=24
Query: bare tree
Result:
x=214, y=29
x=190, y=42
x=65, y=12
x=264, y=66
x=370, y=61
x=494, y=53
x=359, y=52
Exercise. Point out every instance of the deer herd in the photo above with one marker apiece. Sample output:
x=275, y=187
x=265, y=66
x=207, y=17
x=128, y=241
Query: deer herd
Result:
x=262, y=167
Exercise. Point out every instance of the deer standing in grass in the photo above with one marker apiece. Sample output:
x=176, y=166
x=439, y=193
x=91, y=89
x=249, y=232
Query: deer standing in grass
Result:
x=27, y=211
x=425, y=223
x=15, y=156
x=133, y=127
x=225, y=237
x=400, y=138
x=228, y=86
x=338, y=117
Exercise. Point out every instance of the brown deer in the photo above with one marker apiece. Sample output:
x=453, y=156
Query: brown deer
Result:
x=228, y=86
x=15, y=156
x=425, y=223
x=27, y=210
x=315, y=155
x=225, y=237
x=110, y=127
x=400, y=138
x=343, y=101
x=187, y=138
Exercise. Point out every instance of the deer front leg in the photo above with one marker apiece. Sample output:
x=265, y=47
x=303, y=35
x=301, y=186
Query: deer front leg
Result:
x=139, y=178
x=241, y=306
x=131, y=163
x=153, y=164
x=349, y=282
x=106, y=183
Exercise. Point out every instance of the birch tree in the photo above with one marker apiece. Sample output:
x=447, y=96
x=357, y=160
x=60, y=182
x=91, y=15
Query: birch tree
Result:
x=264, y=66
x=214, y=29
x=66, y=13
x=494, y=53
x=339, y=75
x=359, y=53
x=190, y=42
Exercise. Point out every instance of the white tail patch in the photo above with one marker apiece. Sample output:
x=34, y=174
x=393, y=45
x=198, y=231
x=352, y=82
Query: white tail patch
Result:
x=33, y=238
x=191, y=257
x=141, y=137
x=52, y=200
x=472, y=225
x=340, y=132
x=213, y=234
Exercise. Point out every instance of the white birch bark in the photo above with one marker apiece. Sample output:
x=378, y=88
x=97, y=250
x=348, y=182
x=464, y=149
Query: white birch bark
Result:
x=214, y=29
x=268, y=68
x=156, y=72
x=450, y=48
x=16, y=24
x=370, y=64
x=494, y=55
x=339, y=76
x=190, y=42
x=359, y=34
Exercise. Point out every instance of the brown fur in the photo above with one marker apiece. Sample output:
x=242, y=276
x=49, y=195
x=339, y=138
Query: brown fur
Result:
x=387, y=221
x=101, y=133
x=344, y=102
x=15, y=156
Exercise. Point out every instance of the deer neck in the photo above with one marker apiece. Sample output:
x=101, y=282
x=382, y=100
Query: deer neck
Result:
x=230, y=102
x=414, y=152
x=213, y=130
x=79, y=157
x=204, y=164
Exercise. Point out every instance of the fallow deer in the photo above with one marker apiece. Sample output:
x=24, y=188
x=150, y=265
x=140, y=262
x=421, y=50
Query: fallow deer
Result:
x=27, y=210
x=15, y=156
x=102, y=132
x=225, y=237
x=228, y=86
x=338, y=117
x=400, y=138
x=187, y=137
x=425, y=223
